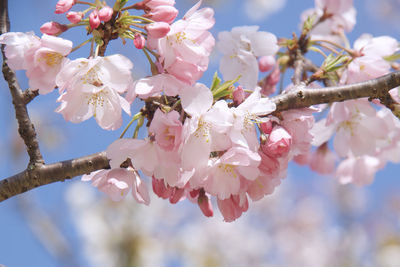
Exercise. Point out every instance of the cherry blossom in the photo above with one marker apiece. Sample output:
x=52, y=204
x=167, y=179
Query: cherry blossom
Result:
x=44, y=62
x=17, y=44
x=241, y=47
x=92, y=87
x=185, y=50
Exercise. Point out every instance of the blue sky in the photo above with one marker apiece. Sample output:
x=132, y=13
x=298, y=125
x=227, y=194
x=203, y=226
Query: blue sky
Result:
x=18, y=246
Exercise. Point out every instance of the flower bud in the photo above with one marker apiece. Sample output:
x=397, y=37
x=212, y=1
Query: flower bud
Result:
x=266, y=63
x=205, y=205
x=94, y=19
x=155, y=3
x=74, y=17
x=105, y=13
x=157, y=29
x=238, y=95
x=268, y=85
x=160, y=189
x=266, y=127
x=64, y=5
x=139, y=41
x=278, y=143
x=163, y=13
x=53, y=28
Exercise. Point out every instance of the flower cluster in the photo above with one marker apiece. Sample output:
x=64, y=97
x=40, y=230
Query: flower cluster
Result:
x=228, y=141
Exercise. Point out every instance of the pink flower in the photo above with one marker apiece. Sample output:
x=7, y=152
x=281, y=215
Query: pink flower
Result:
x=163, y=190
x=105, y=13
x=185, y=50
x=270, y=177
x=298, y=123
x=338, y=16
x=157, y=29
x=116, y=183
x=243, y=132
x=74, y=17
x=278, y=143
x=359, y=170
x=167, y=128
x=139, y=151
x=226, y=172
x=44, y=62
x=233, y=207
x=370, y=64
x=64, y=5
x=92, y=87
x=323, y=160
x=53, y=28
x=17, y=44
x=94, y=19
x=240, y=48
x=266, y=63
x=154, y=85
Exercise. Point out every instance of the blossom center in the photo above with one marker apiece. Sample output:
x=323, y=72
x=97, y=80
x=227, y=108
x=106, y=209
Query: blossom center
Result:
x=53, y=58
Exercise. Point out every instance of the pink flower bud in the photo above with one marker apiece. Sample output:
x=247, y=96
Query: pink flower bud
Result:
x=205, y=205
x=266, y=63
x=64, y=5
x=278, y=143
x=163, y=13
x=176, y=195
x=105, y=13
x=238, y=95
x=74, y=17
x=53, y=28
x=266, y=127
x=155, y=3
x=269, y=84
x=160, y=189
x=157, y=29
x=94, y=19
x=139, y=41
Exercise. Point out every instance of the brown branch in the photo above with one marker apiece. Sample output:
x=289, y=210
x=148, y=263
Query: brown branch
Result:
x=47, y=174
x=304, y=97
x=29, y=95
x=25, y=126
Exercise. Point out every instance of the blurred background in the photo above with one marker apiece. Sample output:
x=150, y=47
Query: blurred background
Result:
x=310, y=220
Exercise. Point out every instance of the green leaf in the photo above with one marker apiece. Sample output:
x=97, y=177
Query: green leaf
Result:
x=216, y=81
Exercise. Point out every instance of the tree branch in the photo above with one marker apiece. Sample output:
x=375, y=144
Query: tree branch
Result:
x=47, y=174
x=25, y=126
x=304, y=97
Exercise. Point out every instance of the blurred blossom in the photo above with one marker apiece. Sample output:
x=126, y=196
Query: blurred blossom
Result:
x=385, y=10
x=259, y=9
x=305, y=229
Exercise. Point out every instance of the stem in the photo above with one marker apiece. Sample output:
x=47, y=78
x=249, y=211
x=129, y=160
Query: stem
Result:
x=349, y=51
x=82, y=44
x=137, y=116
